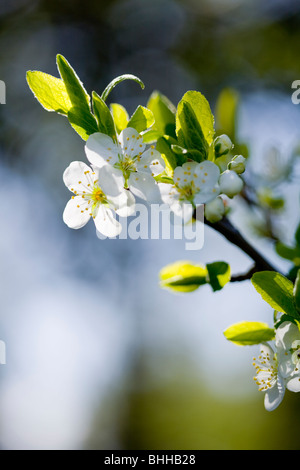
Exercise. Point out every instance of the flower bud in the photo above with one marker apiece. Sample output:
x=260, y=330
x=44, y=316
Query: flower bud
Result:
x=214, y=210
x=237, y=164
x=223, y=145
x=230, y=183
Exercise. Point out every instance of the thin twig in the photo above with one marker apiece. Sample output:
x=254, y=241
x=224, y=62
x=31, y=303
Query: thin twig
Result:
x=225, y=228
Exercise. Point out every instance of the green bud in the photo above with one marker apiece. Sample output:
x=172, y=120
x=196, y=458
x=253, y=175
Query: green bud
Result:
x=214, y=210
x=223, y=145
x=237, y=164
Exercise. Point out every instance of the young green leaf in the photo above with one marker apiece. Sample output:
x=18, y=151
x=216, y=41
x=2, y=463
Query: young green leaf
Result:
x=141, y=119
x=118, y=80
x=297, y=236
x=49, y=91
x=189, y=131
x=83, y=122
x=284, y=318
x=151, y=136
x=77, y=94
x=164, y=113
x=249, y=333
x=120, y=116
x=297, y=291
x=183, y=276
x=219, y=274
x=195, y=123
x=167, y=154
x=103, y=115
x=276, y=290
x=288, y=252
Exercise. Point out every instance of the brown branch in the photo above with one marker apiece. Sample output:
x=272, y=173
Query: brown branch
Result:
x=225, y=228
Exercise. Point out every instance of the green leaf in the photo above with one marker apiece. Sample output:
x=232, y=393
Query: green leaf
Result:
x=276, y=290
x=83, y=122
x=118, y=80
x=120, y=116
x=103, y=115
x=219, y=274
x=183, y=276
x=287, y=252
x=77, y=94
x=189, y=132
x=249, y=333
x=151, y=136
x=164, y=148
x=297, y=291
x=284, y=318
x=195, y=123
x=164, y=114
x=49, y=91
x=141, y=119
x=297, y=235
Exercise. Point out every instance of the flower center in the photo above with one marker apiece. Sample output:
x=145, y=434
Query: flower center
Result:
x=266, y=371
x=127, y=165
x=97, y=195
x=187, y=192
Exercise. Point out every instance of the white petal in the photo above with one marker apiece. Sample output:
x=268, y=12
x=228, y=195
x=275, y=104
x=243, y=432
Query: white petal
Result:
x=111, y=180
x=183, y=175
x=101, y=150
x=267, y=351
x=286, y=333
x=274, y=396
x=131, y=142
x=285, y=364
x=183, y=212
x=106, y=223
x=205, y=177
x=151, y=162
x=79, y=177
x=293, y=384
x=124, y=204
x=144, y=186
x=168, y=192
x=76, y=213
x=206, y=194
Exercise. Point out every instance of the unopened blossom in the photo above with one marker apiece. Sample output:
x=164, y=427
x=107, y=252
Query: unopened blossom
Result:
x=223, y=145
x=214, y=210
x=97, y=195
x=194, y=184
x=230, y=183
x=129, y=158
x=268, y=377
x=287, y=342
x=237, y=164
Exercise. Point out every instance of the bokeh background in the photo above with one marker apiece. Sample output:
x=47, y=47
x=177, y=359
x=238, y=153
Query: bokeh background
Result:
x=98, y=356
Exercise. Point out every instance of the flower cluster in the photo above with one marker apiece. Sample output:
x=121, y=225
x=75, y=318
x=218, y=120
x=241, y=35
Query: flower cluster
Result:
x=124, y=169
x=278, y=369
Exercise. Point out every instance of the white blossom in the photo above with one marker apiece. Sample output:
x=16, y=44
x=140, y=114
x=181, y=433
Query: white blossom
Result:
x=268, y=377
x=129, y=159
x=194, y=183
x=287, y=342
x=97, y=195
